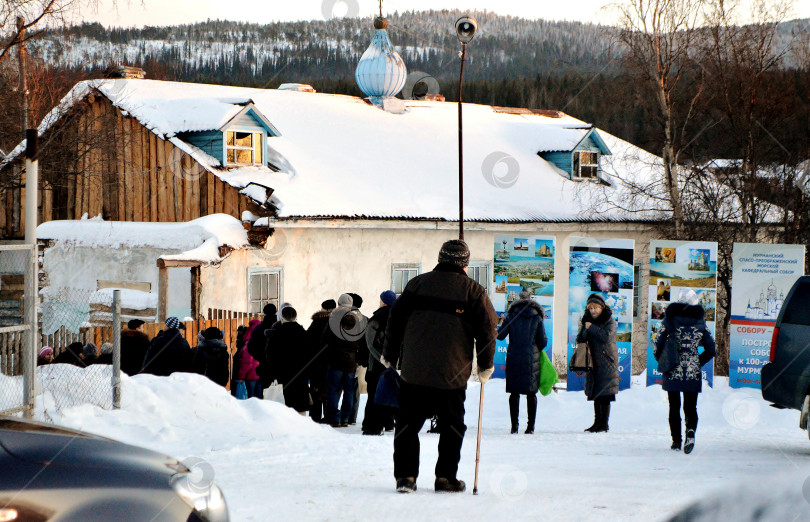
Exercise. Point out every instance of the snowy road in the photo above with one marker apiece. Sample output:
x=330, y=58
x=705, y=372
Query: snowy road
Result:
x=275, y=465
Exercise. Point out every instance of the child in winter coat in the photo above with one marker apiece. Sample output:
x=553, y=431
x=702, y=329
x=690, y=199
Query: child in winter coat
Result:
x=248, y=365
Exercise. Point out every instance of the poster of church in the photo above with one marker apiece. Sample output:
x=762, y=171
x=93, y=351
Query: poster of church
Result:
x=675, y=265
x=761, y=277
x=523, y=262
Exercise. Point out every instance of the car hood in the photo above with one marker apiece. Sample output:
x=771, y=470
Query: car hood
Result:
x=55, y=446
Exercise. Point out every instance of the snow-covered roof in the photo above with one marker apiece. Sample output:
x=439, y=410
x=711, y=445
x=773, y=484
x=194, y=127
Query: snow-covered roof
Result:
x=198, y=240
x=338, y=156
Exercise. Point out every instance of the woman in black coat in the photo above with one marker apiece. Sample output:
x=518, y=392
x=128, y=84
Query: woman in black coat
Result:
x=602, y=383
x=682, y=331
x=211, y=357
x=527, y=337
x=290, y=358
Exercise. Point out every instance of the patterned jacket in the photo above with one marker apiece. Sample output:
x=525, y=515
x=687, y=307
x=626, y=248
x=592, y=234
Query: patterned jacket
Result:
x=686, y=324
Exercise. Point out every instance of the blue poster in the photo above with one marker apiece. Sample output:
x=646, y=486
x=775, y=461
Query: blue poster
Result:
x=761, y=277
x=605, y=267
x=523, y=262
x=675, y=265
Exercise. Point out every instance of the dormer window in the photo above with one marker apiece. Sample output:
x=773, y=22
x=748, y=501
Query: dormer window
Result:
x=586, y=165
x=244, y=147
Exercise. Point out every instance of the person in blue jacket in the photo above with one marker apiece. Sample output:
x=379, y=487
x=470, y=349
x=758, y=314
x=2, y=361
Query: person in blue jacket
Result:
x=527, y=338
x=682, y=331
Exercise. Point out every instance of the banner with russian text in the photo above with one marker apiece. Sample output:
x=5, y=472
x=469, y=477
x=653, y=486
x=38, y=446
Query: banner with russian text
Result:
x=675, y=265
x=761, y=277
x=523, y=262
x=605, y=267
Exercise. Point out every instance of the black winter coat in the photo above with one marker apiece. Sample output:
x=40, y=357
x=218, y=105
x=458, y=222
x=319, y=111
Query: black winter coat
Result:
x=687, y=325
x=375, y=337
x=317, y=353
x=527, y=337
x=257, y=347
x=439, y=322
x=134, y=345
x=603, y=380
x=169, y=352
x=211, y=358
x=290, y=357
x=341, y=354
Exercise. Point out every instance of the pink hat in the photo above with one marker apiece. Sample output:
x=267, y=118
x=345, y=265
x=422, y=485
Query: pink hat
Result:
x=46, y=350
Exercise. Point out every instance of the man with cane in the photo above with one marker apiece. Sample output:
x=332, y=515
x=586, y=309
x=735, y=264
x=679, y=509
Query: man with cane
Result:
x=435, y=327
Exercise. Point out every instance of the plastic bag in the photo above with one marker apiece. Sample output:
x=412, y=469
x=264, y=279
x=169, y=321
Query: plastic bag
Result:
x=548, y=375
x=241, y=391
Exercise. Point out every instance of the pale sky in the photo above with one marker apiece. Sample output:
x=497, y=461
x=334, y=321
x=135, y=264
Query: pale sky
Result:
x=171, y=12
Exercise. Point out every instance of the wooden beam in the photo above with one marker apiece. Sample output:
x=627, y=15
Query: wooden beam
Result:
x=163, y=293
x=196, y=289
x=153, y=177
x=176, y=263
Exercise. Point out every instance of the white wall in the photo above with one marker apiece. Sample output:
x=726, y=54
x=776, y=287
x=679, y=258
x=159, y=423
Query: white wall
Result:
x=321, y=263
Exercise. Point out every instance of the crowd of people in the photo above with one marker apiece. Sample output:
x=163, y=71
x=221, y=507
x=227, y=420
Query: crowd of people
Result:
x=432, y=334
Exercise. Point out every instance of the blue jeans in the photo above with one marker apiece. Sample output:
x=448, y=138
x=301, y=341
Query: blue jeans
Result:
x=338, y=382
x=254, y=388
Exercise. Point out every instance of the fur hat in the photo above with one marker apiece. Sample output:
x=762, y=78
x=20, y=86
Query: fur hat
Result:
x=524, y=294
x=269, y=309
x=687, y=296
x=106, y=348
x=455, y=252
x=288, y=314
x=329, y=304
x=135, y=323
x=356, y=300
x=388, y=297
x=212, y=332
x=598, y=299
x=345, y=300
x=172, y=322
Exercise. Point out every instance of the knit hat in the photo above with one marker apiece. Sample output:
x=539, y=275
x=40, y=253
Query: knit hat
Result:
x=212, y=332
x=46, y=350
x=269, y=309
x=687, y=296
x=356, y=300
x=455, y=252
x=345, y=300
x=524, y=294
x=172, y=322
x=329, y=304
x=598, y=299
x=388, y=297
x=135, y=323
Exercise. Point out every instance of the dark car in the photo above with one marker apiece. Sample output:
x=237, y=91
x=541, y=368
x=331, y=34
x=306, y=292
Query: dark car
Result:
x=52, y=473
x=786, y=378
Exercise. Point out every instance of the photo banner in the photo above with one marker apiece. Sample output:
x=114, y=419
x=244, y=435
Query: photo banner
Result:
x=605, y=267
x=523, y=262
x=675, y=265
x=761, y=277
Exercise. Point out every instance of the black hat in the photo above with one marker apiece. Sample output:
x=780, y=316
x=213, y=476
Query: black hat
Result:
x=356, y=300
x=455, y=252
x=598, y=299
x=212, y=332
x=135, y=323
x=329, y=304
x=270, y=309
x=288, y=313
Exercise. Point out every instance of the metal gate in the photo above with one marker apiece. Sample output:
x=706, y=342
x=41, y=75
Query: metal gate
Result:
x=18, y=318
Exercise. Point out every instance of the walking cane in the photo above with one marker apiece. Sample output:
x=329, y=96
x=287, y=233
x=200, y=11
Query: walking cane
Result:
x=478, y=444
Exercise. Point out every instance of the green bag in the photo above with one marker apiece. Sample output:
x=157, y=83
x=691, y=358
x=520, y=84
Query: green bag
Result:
x=548, y=375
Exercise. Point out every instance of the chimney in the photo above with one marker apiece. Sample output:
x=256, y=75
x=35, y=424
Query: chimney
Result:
x=129, y=72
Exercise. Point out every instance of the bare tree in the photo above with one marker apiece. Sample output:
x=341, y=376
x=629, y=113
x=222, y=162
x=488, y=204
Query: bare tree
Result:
x=659, y=38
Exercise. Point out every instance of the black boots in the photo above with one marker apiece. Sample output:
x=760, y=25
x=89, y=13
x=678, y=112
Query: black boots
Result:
x=601, y=414
x=531, y=406
x=514, y=411
x=689, y=444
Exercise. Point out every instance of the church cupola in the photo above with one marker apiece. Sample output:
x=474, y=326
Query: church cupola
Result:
x=381, y=72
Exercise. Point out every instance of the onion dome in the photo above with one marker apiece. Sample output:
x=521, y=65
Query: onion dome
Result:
x=381, y=72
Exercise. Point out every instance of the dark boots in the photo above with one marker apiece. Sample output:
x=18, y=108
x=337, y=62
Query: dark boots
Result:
x=531, y=406
x=514, y=411
x=601, y=415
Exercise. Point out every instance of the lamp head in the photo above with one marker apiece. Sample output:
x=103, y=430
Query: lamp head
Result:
x=466, y=27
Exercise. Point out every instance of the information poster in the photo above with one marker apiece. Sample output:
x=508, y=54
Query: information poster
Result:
x=605, y=267
x=675, y=265
x=761, y=277
x=523, y=262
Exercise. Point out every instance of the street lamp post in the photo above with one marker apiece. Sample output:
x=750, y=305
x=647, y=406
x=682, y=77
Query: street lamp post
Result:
x=466, y=28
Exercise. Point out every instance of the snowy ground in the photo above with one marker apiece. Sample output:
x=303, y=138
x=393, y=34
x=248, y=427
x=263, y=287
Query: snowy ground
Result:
x=273, y=464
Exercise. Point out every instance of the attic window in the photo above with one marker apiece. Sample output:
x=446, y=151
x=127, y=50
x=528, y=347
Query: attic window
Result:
x=244, y=147
x=586, y=165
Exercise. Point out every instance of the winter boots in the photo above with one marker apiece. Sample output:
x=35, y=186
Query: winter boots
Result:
x=676, y=445
x=406, y=485
x=514, y=411
x=689, y=445
x=446, y=485
x=601, y=414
